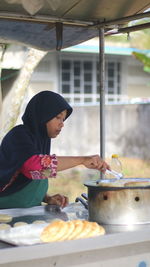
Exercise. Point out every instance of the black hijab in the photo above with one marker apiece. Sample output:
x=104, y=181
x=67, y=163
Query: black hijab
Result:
x=30, y=138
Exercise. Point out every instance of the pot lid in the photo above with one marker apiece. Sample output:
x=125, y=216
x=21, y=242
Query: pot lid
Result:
x=119, y=183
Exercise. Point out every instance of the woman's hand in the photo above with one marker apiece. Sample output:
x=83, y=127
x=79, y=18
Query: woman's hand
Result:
x=95, y=162
x=57, y=199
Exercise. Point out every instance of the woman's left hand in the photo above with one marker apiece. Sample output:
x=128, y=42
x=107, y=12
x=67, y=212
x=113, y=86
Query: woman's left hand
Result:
x=57, y=199
x=96, y=162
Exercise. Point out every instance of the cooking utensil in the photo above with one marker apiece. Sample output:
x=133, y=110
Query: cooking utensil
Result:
x=118, y=204
x=114, y=173
x=52, y=208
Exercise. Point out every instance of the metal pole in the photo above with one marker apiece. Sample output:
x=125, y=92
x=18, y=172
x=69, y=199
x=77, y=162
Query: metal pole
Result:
x=82, y=23
x=129, y=29
x=102, y=93
x=121, y=20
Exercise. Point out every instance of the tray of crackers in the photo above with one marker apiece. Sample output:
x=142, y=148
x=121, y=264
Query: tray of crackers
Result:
x=56, y=231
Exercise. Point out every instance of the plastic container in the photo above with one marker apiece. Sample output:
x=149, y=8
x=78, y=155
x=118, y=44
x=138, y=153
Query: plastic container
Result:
x=115, y=166
x=116, y=163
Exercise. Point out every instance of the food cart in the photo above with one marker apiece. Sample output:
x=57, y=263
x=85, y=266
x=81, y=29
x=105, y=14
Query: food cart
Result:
x=58, y=24
x=53, y=25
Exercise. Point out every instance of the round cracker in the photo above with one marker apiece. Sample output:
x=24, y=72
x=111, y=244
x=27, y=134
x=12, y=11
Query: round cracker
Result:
x=96, y=230
x=87, y=227
x=137, y=184
x=4, y=218
x=70, y=230
x=19, y=224
x=54, y=231
x=39, y=222
x=78, y=227
x=4, y=226
x=118, y=183
x=90, y=229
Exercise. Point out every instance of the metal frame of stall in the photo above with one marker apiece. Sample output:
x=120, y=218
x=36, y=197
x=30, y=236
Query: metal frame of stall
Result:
x=102, y=32
x=107, y=250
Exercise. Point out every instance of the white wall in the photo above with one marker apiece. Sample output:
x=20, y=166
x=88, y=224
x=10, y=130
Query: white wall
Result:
x=45, y=76
x=127, y=131
x=138, y=81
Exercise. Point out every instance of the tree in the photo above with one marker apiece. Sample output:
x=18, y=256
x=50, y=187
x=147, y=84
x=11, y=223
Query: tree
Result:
x=2, y=51
x=17, y=92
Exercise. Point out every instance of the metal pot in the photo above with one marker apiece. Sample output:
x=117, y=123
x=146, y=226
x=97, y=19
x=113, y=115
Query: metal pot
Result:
x=119, y=205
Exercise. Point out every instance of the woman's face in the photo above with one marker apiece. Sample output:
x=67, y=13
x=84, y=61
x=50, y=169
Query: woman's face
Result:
x=54, y=126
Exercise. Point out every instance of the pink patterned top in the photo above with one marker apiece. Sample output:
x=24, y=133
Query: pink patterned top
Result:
x=40, y=167
x=36, y=167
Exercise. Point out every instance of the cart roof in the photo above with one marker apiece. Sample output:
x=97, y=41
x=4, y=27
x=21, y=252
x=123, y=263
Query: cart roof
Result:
x=56, y=24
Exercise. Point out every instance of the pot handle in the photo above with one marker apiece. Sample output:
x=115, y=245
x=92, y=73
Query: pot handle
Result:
x=79, y=199
x=84, y=195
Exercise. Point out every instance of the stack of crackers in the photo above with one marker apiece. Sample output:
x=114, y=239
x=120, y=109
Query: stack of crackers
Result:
x=71, y=230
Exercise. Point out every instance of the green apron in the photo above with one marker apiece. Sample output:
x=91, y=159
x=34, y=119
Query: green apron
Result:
x=31, y=195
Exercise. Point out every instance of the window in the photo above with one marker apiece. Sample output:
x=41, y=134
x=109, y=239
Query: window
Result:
x=112, y=79
x=79, y=79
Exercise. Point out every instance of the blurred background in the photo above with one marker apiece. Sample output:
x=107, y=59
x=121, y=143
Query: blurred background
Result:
x=74, y=73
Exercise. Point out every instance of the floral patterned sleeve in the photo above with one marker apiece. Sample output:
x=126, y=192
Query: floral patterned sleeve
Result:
x=40, y=167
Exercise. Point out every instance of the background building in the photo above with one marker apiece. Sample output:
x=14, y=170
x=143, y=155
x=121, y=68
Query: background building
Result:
x=74, y=72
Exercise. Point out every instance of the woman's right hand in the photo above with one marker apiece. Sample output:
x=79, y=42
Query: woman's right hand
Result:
x=96, y=162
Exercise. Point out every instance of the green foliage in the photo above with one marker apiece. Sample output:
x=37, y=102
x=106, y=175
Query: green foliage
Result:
x=136, y=39
x=144, y=59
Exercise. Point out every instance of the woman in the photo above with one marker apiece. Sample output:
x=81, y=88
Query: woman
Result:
x=25, y=160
